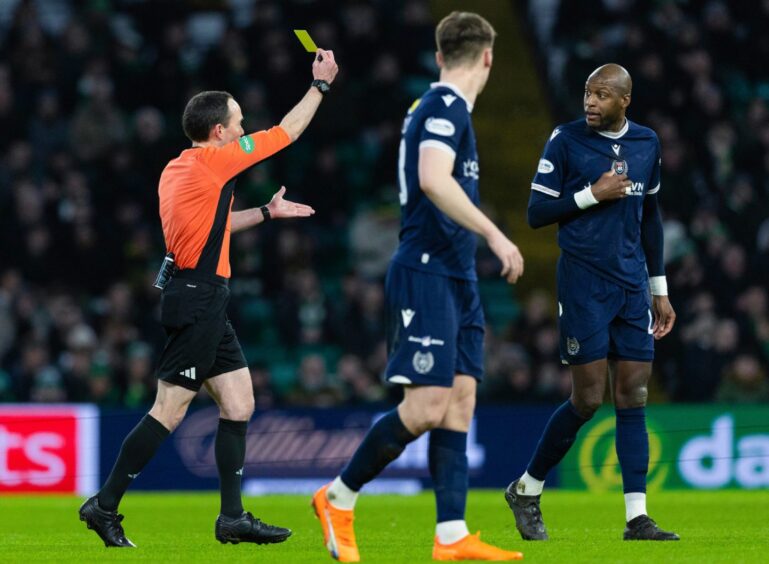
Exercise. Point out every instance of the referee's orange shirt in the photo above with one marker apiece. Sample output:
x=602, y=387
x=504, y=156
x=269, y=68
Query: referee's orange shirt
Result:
x=196, y=194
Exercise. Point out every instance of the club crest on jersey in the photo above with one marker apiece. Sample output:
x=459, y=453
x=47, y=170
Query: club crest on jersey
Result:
x=619, y=167
x=423, y=362
x=572, y=345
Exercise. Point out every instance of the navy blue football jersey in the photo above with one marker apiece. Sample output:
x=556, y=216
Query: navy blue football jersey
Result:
x=605, y=238
x=429, y=240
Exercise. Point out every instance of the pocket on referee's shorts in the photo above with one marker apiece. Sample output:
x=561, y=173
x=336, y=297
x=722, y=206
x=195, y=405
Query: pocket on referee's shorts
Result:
x=183, y=303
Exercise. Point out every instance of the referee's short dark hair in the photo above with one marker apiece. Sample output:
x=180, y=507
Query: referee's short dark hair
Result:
x=461, y=37
x=204, y=111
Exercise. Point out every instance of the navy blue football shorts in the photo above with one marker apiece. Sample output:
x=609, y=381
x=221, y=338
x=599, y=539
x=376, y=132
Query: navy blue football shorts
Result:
x=435, y=328
x=600, y=319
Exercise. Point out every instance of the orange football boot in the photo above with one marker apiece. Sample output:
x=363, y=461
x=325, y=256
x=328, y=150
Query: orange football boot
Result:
x=338, y=532
x=472, y=547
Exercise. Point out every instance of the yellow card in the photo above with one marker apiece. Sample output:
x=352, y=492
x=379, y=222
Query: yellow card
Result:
x=306, y=40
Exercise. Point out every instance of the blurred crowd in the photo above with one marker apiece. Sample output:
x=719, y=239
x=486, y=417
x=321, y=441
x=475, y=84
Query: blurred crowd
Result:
x=91, y=96
x=700, y=80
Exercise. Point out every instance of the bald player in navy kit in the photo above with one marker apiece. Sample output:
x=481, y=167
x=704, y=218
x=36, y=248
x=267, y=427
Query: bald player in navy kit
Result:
x=598, y=178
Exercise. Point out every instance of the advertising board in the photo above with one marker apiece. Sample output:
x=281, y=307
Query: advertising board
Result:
x=49, y=448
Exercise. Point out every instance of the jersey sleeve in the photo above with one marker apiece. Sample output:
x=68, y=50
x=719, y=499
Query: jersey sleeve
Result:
x=551, y=167
x=444, y=126
x=655, y=182
x=653, y=237
x=230, y=160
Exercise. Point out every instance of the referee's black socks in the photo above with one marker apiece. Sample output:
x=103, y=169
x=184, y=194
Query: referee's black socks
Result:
x=138, y=449
x=230, y=452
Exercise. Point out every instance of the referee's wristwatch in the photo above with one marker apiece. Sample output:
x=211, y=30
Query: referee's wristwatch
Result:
x=321, y=85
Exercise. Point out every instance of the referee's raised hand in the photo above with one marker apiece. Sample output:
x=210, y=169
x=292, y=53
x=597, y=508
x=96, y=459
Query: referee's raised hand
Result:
x=324, y=66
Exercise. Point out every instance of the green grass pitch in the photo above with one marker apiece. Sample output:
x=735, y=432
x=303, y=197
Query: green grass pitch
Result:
x=723, y=526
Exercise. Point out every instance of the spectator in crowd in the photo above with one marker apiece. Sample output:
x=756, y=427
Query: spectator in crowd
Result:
x=264, y=395
x=360, y=385
x=139, y=378
x=744, y=382
x=314, y=386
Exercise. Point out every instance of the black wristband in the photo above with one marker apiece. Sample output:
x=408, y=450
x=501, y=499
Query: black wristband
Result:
x=265, y=213
x=321, y=85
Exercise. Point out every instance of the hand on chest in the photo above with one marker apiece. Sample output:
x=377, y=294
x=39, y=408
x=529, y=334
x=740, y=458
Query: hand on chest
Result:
x=596, y=158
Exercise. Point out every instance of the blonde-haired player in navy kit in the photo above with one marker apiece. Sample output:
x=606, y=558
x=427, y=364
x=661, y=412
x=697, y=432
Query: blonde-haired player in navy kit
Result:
x=435, y=316
x=598, y=179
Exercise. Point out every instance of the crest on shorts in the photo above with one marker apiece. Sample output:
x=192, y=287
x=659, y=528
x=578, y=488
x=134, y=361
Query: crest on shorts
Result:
x=619, y=167
x=572, y=345
x=423, y=362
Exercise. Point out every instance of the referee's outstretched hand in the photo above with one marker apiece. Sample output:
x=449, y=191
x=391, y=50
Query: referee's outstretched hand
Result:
x=280, y=208
x=509, y=255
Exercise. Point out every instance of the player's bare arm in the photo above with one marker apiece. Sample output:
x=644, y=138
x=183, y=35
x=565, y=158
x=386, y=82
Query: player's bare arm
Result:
x=278, y=208
x=442, y=189
x=296, y=121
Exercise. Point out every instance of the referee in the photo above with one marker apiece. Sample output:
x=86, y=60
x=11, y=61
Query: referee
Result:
x=196, y=193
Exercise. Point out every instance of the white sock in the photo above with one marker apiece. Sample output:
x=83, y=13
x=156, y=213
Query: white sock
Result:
x=340, y=496
x=528, y=485
x=635, y=505
x=450, y=532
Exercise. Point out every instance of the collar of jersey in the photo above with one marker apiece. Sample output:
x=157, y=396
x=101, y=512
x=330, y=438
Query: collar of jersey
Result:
x=616, y=134
x=454, y=88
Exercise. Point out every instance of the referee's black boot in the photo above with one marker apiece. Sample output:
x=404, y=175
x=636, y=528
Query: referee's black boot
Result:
x=247, y=528
x=528, y=516
x=643, y=527
x=107, y=524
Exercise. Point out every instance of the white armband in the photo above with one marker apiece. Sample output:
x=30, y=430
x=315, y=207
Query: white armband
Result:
x=658, y=285
x=585, y=198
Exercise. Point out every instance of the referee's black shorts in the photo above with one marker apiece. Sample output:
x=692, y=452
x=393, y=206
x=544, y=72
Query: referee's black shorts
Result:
x=201, y=341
